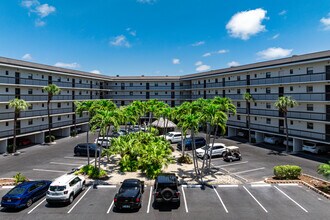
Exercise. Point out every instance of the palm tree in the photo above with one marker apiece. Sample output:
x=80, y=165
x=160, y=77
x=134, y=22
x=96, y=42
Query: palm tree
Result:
x=18, y=105
x=248, y=99
x=283, y=103
x=52, y=90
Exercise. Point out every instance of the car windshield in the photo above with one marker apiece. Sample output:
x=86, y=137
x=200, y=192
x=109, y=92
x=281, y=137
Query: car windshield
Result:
x=57, y=188
x=206, y=147
x=16, y=191
x=310, y=145
x=169, y=134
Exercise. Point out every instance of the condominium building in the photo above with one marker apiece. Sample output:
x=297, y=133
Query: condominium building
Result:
x=306, y=78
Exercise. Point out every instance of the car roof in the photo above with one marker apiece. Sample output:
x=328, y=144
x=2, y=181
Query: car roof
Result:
x=217, y=144
x=131, y=181
x=232, y=147
x=30, y=183
x=174, y=132
x=62, y=180
x=166, y=178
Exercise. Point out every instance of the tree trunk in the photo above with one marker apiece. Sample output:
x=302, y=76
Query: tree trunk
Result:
x=215, y=134
x=249, y=122
x=207, y=143
x=287, y=132
x=194, y=153
x=15, y=123
x=87, y=140
x=49, y=124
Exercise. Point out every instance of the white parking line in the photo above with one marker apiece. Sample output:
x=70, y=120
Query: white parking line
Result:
x=105, y=186
x=232, y=164
x=227, y=186
x=288, y=184
x=76, y=158
x=54, y=171
x=79, y=199
x=261, y=185
x=223, y=204
x=36, y=206
x=68, y=164
x=291, y=199
x=184, y=199
x=110, y=207
x=7, y=187
x=248, y=171
x=192, y=186
x=148, y=209
x=255, y=199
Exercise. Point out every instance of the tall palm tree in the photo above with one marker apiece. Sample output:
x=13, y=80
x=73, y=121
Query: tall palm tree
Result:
x=283, y=103
x=52, y=90
x=248, y=99
x=18, y=105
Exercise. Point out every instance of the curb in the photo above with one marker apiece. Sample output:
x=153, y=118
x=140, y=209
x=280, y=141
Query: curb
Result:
x=316, y=190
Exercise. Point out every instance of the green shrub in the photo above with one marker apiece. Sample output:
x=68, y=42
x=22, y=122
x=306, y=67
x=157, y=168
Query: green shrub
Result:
x=52, y=138
x=287, y=172
x=74, y=133
x=19, y=178
x=128, y=164
x=92, y=172
x=185, y=159
x=324, y=169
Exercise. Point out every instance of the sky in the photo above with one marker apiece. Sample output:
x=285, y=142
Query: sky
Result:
x=160, y=37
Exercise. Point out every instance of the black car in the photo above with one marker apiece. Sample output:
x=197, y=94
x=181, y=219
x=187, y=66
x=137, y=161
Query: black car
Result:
x=199, y=142
x=166, y=190
x=129, y=195
x=81, y=149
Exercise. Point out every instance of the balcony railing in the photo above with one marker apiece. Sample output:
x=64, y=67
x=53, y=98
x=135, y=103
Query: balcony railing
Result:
x=307, y=134
x=236, y=123
x=265, y=112
x=308, y=115
x=264, y=127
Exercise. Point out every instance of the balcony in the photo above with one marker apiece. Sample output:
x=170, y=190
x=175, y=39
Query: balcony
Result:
x=265, y=127
x=241, y=110
x=307, y=134
x=307, y=115
x=236, y=124
x=264, y=112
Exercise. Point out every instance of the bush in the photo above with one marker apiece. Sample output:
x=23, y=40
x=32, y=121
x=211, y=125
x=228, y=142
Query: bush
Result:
x=185, y=159
x=287, y=172
x=74, y=133
x=324, y=169
x=19, y=178
x=92, y=172
x=52, y=138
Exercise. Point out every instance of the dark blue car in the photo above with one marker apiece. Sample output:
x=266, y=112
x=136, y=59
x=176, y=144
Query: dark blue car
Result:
x=24, y=194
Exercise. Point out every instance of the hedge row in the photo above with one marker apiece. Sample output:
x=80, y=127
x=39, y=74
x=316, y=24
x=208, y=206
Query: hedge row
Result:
x=287, y=172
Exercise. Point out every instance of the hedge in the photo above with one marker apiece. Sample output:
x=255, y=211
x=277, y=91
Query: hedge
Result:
x=287, y=172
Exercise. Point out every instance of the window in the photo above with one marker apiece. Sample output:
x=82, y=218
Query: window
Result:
x=268, y=105
x=42, y=105
x=216, y=80
x=309, y=70
x=140, y=84
x=216, y=92
x=255, y=104
x=80, y=81
x=238, y=78
x=42, y=76
x=7, y=107
x=68, y=116
x=309, y=89
x=30, y=76
x=7, y=89
x=140, y=92
x=79, y=92
x=238, y=91
x=310, y=107
x=268, y=121
x=30, y=91
x=131, y=84
x=238, y=104
x=238, y=117
x=156, y=84
x=268, y=90
x=268, y=74
x=255, y=89
x=156, y=93
x=68, y=79
x=130, y=93
x=208, y=80
x=229, y=78
x=7, y=124
x=165, y=92
x=30, y=107
x=30, y=122
x=291, y=71
x=7, y=72
x=291, y=88
x=291, y=122
x=165, y=84
x=58, y=105
x=59, y=118
x=255, y=75
x=310, y=125
x=199, y=82
x=255, y=118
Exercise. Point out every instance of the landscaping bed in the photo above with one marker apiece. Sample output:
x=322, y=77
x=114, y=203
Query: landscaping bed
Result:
x=7, y=181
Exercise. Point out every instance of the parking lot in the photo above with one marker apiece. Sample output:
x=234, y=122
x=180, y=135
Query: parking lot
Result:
x=248, y=201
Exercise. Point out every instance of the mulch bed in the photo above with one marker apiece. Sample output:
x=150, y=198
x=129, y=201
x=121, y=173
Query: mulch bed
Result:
x=7, y=181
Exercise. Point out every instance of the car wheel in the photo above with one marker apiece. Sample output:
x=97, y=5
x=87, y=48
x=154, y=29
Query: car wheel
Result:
x=83, y=187
x=230, y=160
x=29, y=203
x=223, y=154
x=71, y=199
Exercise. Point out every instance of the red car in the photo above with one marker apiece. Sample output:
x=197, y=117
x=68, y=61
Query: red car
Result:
x=24, y=142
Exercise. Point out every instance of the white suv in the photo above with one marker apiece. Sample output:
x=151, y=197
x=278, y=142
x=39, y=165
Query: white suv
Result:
x=174, y=137
x=219, y=149
x=65, y=188
x=314, y=147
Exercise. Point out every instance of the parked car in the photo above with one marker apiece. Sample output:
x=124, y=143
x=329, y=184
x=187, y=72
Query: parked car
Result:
x=314, y=147
x=174, y=137
x=242, y=134
x=166, y=190
x=24, y=194
x=232, y=154
x=65, y=188
x=106, y=141
x=24, y=142
x=118, y=133
x=219, y=149
x=81, y=149
x=199, y=142
x=273, y=140
x=290, y=142
x=129, y=195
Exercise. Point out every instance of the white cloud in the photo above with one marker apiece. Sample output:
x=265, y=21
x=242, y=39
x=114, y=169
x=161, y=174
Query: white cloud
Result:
x=199, y=43
x=325, y=21
x=96, y=71
x=44, y=10
x=131, y=32
x=176, y=61
x=198, y=63
x=120, y=41
x=29, y=3
x=207, y=54
x=233, y=64
x=39, y=23
x=146, y=1
x=222, y=51
x=245, y=24
x=274, y=53
x=275, y=36
x=283, y=12
x=67, y=65
x=27, y=57
x=202, y=68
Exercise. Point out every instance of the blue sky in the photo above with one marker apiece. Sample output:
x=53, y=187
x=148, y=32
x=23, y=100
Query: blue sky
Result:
x=160, y=37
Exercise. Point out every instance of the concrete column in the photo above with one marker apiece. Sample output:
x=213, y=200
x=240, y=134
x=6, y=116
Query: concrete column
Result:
x=297, y=145
x=65, y=132
x=39, y=138
x=84, y=127
x=259, y=137
x=231, y=132
x=3, y=146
